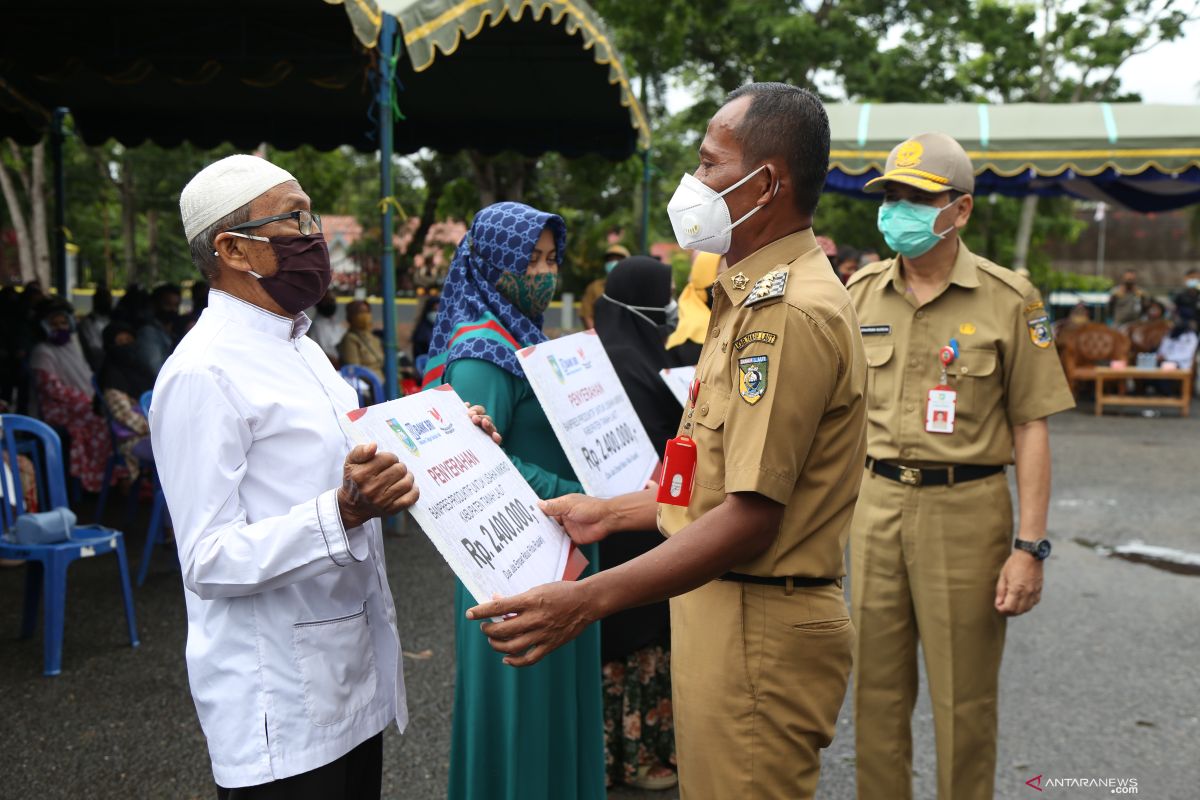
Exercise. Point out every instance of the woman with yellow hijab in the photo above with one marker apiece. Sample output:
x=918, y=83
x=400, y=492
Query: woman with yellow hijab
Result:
x=695, y=303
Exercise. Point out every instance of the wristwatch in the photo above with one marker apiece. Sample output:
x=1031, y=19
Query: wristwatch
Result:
x=1039, y=549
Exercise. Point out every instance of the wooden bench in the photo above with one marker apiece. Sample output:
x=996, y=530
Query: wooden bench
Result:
x=1085, y=348
x=1105, y=374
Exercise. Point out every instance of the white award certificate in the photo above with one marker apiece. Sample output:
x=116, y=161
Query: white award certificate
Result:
x=475, y=507
x=590, y=413
x=679, y=381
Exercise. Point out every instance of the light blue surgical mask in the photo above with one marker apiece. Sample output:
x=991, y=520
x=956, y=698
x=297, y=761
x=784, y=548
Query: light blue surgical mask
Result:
x=907, y=227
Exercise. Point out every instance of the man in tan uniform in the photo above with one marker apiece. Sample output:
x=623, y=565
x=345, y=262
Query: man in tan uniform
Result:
x=963, y=372
x=761, y=638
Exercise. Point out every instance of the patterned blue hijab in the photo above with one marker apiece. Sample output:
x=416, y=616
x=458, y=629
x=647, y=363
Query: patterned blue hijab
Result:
x=475, y=320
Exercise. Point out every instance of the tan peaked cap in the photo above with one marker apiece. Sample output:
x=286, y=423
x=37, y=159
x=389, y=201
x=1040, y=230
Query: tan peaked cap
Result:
x=932, y=162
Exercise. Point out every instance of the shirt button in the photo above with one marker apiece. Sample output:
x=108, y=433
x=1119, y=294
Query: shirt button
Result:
x=910, y=407
x=906, y=452
x=704, y=409
x=715, y=332
x=912, y=362
x=963, y=370
x=920, y=315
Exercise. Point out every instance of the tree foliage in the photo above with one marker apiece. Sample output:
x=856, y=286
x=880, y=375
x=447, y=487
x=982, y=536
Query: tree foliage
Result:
x=122, y=202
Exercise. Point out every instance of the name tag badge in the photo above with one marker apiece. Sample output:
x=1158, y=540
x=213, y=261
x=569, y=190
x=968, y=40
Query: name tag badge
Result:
x=939, y=410
x=678, y=472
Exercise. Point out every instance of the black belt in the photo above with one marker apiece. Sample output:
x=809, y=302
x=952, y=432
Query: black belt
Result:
x=765, y=581
x=920, y=476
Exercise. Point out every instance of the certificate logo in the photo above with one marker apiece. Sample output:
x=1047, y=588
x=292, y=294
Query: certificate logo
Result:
x=444, y=426
x=569, y=365
x=422, y=431
x=403, y=436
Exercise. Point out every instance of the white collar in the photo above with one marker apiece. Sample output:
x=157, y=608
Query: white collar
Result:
x=234, y=308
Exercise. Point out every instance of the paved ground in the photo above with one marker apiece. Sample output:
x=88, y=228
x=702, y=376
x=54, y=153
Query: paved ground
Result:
x=1100, y=681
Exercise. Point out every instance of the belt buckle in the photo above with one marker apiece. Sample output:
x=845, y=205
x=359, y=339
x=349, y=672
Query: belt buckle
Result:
x=910, y=476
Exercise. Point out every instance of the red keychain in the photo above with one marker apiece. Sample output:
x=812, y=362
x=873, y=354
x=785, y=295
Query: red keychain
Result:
x=679, y=465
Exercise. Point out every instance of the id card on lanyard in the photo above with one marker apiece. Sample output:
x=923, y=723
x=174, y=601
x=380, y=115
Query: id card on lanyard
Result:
x=939, y=406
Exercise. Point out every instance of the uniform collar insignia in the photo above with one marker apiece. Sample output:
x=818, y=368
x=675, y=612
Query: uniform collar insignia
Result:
x=769, y=286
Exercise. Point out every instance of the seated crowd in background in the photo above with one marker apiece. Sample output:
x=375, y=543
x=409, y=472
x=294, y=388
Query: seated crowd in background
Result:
x=84, y=375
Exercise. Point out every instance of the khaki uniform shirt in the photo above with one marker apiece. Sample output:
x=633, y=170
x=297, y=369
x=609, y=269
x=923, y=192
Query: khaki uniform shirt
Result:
x=587, y=306
x=1007, y=371
x=1126, y=306
x=781, y=410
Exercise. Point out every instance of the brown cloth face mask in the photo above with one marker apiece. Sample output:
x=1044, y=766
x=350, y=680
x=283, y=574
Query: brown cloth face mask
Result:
x=304, y=272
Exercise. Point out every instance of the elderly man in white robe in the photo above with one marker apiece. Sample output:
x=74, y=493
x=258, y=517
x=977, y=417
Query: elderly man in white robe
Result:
x=293, y=654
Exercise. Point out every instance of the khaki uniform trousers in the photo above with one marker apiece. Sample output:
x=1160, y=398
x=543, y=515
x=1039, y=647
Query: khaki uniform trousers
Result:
x=924, y=564
x=759, y=677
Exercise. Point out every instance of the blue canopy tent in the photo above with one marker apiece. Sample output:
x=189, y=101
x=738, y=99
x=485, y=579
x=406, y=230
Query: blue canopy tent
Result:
x=1138, y=156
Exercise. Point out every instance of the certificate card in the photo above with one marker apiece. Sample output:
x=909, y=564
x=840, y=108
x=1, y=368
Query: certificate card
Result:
x=475, y=507
x=679, y=381
x=590, y=413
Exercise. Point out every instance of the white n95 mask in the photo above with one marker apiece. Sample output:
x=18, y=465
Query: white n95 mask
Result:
x=700, y=216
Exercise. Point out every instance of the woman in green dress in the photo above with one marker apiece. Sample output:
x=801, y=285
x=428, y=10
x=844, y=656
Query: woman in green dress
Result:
x=534, y=733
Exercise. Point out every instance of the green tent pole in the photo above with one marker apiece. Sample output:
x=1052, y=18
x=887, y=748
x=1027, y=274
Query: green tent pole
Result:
x=387, y=40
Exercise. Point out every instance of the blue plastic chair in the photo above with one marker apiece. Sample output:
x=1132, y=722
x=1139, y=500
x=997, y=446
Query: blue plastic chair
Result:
x=157, y=513
x=46, y=567
x=359, y=379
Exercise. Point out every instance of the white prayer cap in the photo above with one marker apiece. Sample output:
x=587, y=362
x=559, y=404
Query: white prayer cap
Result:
x=223, y=187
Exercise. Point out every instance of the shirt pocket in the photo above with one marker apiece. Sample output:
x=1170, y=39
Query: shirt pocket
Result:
x=337, y=666
x=708, y=432
x=879, y=378
x=977, y=381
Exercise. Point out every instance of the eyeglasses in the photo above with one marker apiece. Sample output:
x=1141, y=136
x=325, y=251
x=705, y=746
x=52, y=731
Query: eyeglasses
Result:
x=307, y=221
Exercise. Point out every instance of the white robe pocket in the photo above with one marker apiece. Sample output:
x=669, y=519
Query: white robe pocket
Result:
x=337, y=665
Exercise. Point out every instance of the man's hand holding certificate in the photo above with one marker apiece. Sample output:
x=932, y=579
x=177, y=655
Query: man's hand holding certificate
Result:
x=475, y=507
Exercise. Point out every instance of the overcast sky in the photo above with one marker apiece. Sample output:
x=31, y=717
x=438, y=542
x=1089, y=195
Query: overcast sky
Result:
x=1170, y=73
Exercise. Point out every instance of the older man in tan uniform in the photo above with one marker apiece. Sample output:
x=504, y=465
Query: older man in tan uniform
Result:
x=962, y=375
x=761, y=637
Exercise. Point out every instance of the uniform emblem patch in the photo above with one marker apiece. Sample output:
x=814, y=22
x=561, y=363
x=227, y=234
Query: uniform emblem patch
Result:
x=768, y=286
x=752, y=384
x=966, y=329
x=755, y=336
x=1039, y=332
x=739, y=281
